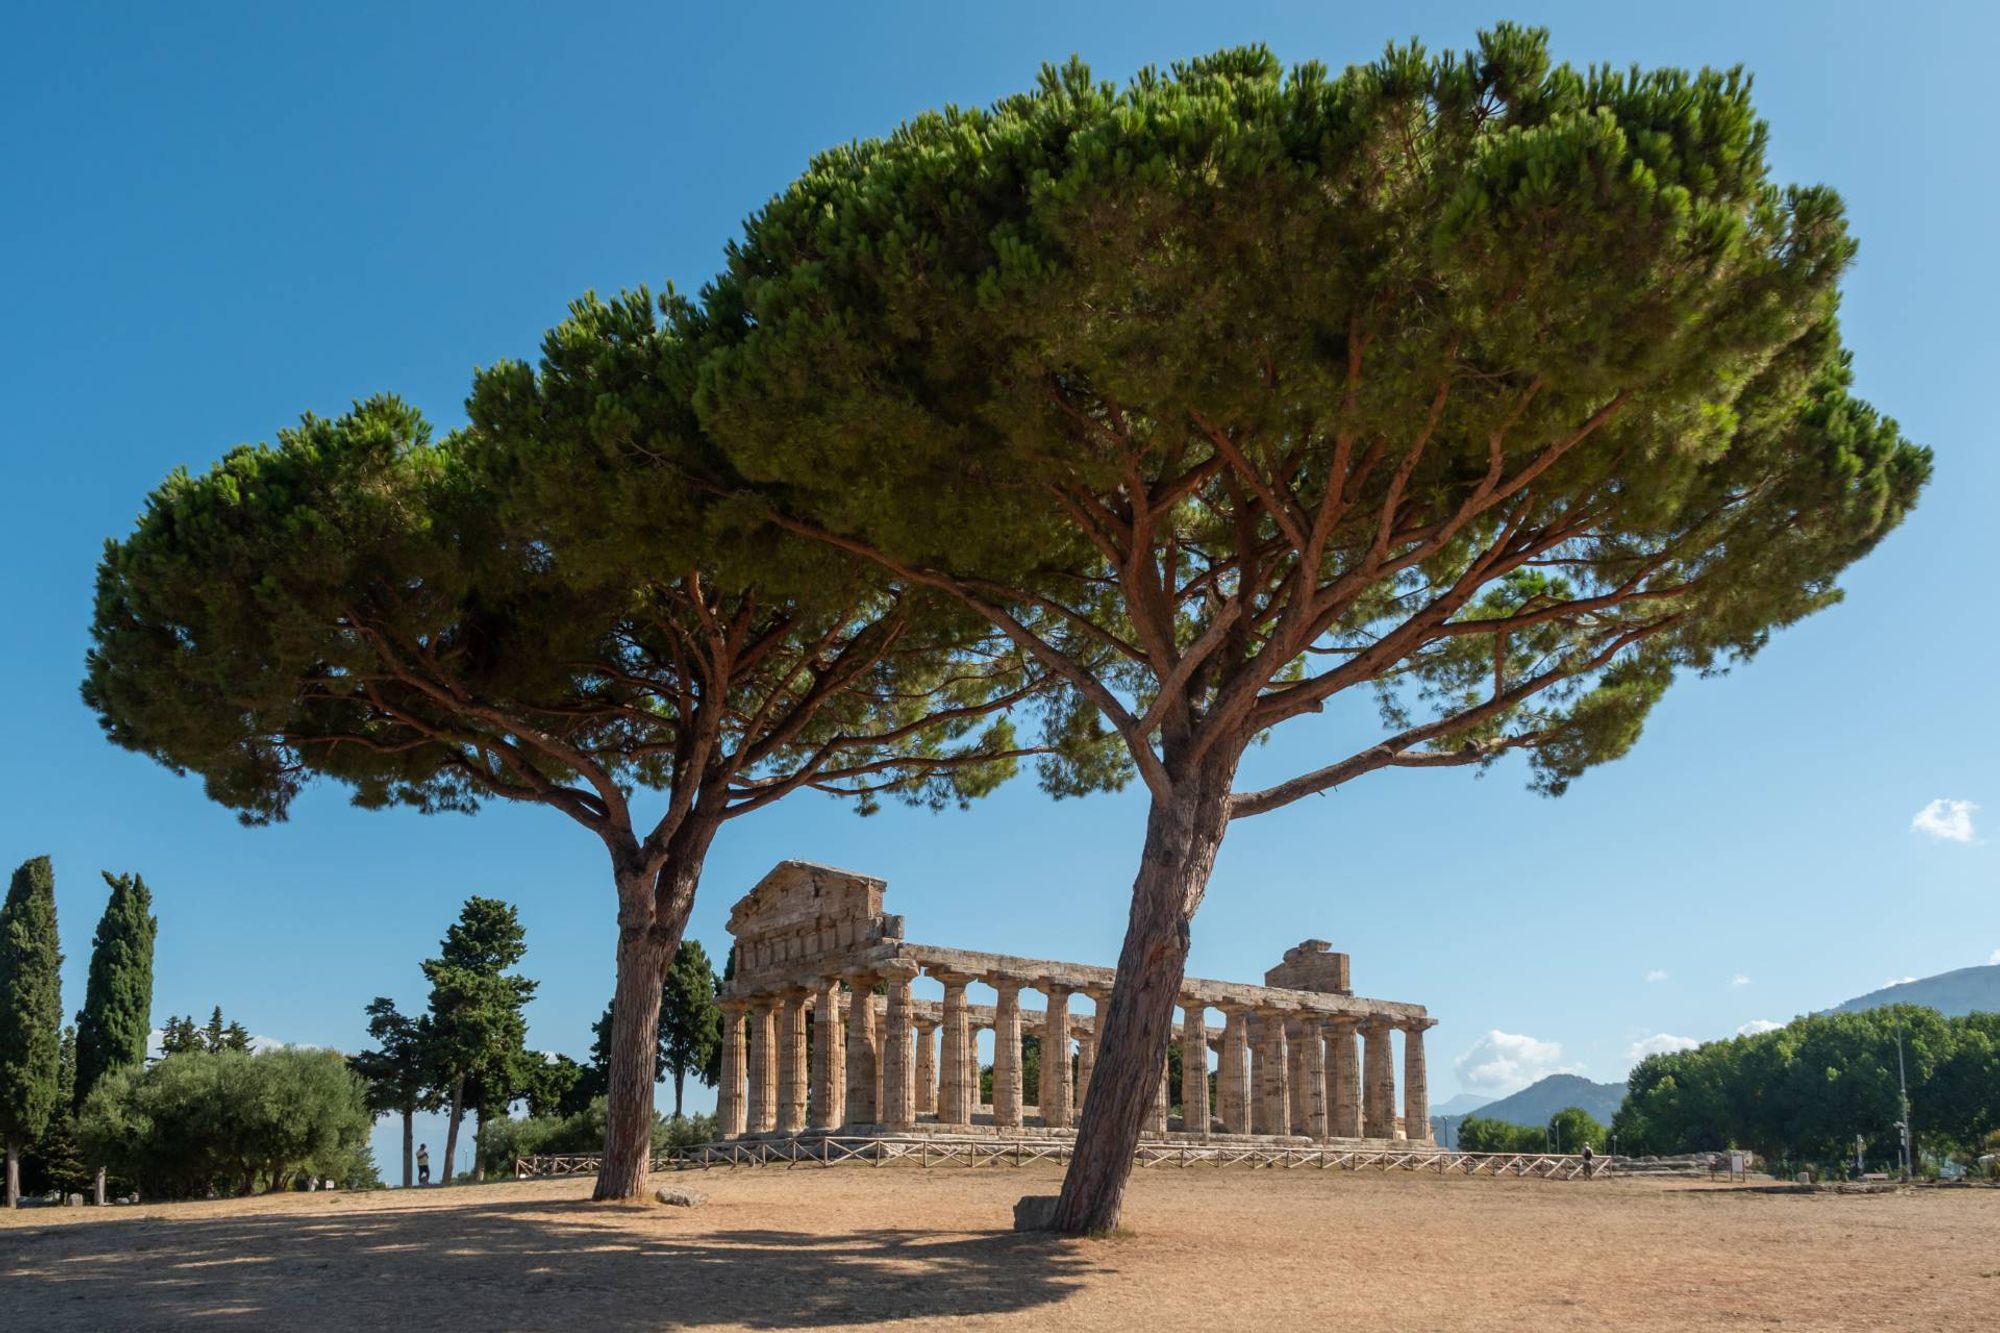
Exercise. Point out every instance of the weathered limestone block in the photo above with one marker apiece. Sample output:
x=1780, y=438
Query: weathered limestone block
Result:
x=899, y=1091
x=763, y=1068
x=927, y=1066
x=1416, y=1082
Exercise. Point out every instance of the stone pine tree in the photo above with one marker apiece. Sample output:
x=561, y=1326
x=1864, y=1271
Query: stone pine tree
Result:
x=1475, y=393
x=31, y=1018
x=117, y=1013
x=398, y=1071
x=475, y=1033
x=558, y=606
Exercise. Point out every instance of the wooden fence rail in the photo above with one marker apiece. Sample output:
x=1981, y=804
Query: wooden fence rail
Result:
x=925, y=1150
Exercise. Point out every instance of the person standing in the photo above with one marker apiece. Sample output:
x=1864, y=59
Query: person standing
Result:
x=423, y=1164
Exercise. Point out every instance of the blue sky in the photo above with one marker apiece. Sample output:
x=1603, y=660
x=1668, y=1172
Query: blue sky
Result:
x=215, y=217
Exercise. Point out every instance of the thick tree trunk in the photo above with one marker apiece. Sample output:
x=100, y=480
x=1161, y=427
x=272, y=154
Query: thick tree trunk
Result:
x=680, y=1083
x=1182, y=837
x=13, y=1175
x=632, y=1066
x=409, y=1149
x=451, y=1130
x=652, y=914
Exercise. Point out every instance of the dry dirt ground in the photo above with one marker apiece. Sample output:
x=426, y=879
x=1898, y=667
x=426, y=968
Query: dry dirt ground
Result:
x=853, y=1247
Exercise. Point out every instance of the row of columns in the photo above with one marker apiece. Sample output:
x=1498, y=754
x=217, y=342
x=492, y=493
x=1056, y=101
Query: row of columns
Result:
x=1279, y=1073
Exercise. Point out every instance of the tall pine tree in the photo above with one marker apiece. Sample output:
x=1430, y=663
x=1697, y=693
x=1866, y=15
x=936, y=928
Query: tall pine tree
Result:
x=117, y=1011
x=477, y=1032
x=397, y=1070
x=30, y=1012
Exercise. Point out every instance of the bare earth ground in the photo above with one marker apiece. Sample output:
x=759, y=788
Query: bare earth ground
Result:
x=853, y=1247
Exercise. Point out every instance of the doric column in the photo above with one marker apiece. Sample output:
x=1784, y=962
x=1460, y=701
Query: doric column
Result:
x=927, y=1066
x=1055, y=1057
x=829, y=1058
x=1260, y=1054
x=1194, y=1067
x=763, y=1066
x=899, y=1089
x=1343, y=1072
x=1312, y=1076
x=1162, y=1100
x=1416, y=1082
x=1378, y=1079
x=792, y=1062
x=1232, y=1076
x=1276, y=1089
x=861, y=1056
x=1006, y=1053
x=1086, y=1046
x=731, y=1110
x=954, y=1106
x=1298, y=1115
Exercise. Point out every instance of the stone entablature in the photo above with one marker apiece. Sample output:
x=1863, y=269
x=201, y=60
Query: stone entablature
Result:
x=811, y=939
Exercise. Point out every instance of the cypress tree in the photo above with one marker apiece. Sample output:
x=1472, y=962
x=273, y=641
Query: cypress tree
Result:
x=30, y=1012
x=117, y=1012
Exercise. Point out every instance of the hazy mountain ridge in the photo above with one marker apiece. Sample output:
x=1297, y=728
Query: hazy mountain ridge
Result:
x=1954, y=994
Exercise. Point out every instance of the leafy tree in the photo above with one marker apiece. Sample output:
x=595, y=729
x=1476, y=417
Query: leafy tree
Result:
x=551, y=1083
x=398, y=1071
x=230, y=1120
x=30, y=1012
x=540, y=608
x=1572, y=1127
x=476, y=1032
x=117, y=1014
x=1495, y=391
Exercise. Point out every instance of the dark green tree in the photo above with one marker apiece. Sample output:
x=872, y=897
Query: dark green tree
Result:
x=1491, y=392
x=397, y=1071
x=476, y=1034
x=55, y=1161
x=540, y=608
x=1572, y=1127
x=117, y=1014
x=690, y=1020
x=31, y=1016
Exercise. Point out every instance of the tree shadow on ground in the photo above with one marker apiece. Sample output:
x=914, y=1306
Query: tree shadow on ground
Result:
x=575, y=1266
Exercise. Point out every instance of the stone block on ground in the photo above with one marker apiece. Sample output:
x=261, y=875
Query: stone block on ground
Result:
x=1035, y=1212
x=679, y=1198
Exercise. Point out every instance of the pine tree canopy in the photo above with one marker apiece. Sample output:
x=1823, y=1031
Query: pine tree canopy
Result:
x=31, y=1025
x=117, y=1013
x=1503, y=388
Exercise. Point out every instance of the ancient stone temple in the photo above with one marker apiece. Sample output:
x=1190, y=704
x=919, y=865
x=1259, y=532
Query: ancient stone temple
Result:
x=822, y=1034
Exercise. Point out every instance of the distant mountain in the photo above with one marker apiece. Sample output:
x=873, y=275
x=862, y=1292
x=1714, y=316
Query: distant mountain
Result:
x=1952, y=994
x=1534, y=1104
x=1464, y=1103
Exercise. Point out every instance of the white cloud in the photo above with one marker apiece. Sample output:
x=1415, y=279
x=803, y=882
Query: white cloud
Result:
x=1897, y=981
x=1995, y=958
x=1946, y=819
x=1503, y=1062
x=1757, y=1025
x=1657, y=974
x=1658, y=1044
x=1739, y=980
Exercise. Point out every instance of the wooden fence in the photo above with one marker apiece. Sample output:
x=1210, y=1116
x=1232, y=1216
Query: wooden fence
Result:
x=931, y=1150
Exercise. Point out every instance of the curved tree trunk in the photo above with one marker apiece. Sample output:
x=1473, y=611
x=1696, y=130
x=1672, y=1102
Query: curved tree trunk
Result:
x=652, y=913
x=1182, y=837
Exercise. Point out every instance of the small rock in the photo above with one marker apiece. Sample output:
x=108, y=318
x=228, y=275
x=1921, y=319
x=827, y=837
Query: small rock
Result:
x=1035, y=1212
x=680, y=1198
x=72, y=1201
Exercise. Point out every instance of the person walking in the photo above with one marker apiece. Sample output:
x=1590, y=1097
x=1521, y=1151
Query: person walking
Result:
x=423, y=1164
